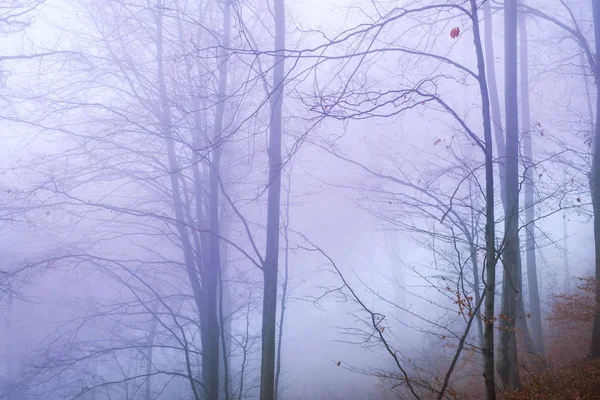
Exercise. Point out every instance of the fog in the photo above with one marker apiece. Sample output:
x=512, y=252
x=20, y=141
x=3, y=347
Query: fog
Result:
x=276, y=199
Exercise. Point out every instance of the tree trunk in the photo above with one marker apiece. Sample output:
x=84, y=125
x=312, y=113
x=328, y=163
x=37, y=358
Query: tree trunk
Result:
x=532, y=279
x=502, y=157
x=211, y=331
x=166, y=132
x=521, y=321
x=270, y=267
x=284, y=287
x=507, y=358
x=225, y=307
x=494, y=98
x=471, y=232
x=595, y=184
x=149, y=353
x=476, y=285
x=490, y=284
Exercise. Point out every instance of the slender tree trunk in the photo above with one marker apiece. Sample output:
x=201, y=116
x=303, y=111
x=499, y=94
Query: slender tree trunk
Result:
x=507, y=358
x=270, y=267
x=149, y=353
x=490, y=230
x=471, y=232
x=224, y=373
x=225, y=308
x=532, y=278
x=165, y=127
x=284, y=286
x=595, y=184
x=490, y=63
x=476, y=285
x=211, y=333
x=521, y=321
x=502, y=169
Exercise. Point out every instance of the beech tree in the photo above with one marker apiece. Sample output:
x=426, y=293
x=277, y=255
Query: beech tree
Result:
x=511, y=288
x=595, y=180
x=576, y=32
x=530, y=205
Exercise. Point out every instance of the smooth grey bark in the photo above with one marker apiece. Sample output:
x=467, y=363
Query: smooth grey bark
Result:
x=502, y=169
x=271, y=263
x=530, y=228
x=476, y=286
x=175, y=176
x=507, y=356
x=471, y=232
x=490, y=229
x=284, y=286
x=490, y=63
x=521, y=321
x=225, y=307
x=210, y=328
x=595, y=184
x=149, y=353
x=224, y=372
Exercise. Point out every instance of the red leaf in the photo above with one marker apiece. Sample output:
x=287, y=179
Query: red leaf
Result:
x=455, y=32
x=338, y=363
x=437, y=141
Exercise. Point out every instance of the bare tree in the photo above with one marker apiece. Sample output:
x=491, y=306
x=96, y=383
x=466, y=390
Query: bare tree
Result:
x=507, y=361
x=271, y=264
x=528, y=175
x=595, y=183
x=371, y=104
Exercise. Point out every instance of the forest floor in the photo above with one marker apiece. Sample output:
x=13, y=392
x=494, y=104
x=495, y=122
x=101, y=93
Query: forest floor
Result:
x=579, y=380
x=565, y=373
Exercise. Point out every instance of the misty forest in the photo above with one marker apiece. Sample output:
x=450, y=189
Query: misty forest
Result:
x=299, y=199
